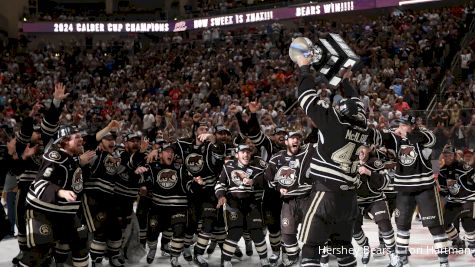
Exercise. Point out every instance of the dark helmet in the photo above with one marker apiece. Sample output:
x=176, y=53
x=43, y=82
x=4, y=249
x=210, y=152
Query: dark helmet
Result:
x=353, y=110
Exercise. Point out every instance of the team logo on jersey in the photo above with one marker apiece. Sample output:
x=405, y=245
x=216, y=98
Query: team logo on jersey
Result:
x=54, y=155
x=101, y=216
x=233, y=216
x=153, y=223
x=285, y=222
x=378, y=163
x=454, y=189
x=76, y=183
x=45, y=229
x=237, y=176
x=167, y=178
x=286, y=176
x=194, y=162
x=111, y=164
x=407, y=155
x=397, y=213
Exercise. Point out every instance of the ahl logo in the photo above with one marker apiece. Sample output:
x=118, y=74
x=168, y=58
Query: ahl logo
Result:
x=286, y=176
x=407, y=155
x=397, y=213
x=180, y=26
x=76, y=183
x=237, y=176
x=194, y=162
x=167, y=178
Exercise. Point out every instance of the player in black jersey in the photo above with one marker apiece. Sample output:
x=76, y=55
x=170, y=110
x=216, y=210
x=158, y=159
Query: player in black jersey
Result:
x=342, y=131
x=99, y=194
x=31, y=142
x=236, y=189
x=202, y=158
x=415, y=183
x=53, y=202
x=271, y=202
x=286, y=172
x=169, y=184
x=371, y=199
x=126, y=188
x=460, y=199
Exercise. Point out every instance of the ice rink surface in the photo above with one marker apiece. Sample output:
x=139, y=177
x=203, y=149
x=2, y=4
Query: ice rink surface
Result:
x=420, y=245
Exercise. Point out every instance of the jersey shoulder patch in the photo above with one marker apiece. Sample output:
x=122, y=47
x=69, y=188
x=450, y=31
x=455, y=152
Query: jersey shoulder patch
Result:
x=55, y=156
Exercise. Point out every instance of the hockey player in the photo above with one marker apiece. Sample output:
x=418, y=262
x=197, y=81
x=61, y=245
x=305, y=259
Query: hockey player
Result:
x=99, y=194
x=236, y=189
x=54, y=199
x=370, y=197
x=31, y=142
x=333, y=209
x=202, y=158
x=414, y=181
x=460, y=199
x=286, y=171
x=169, y=184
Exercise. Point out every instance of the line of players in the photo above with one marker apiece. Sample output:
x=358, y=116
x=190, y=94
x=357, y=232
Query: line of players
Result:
x=270, y=182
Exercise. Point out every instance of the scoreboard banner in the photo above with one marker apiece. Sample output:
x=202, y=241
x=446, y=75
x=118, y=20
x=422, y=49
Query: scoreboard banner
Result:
x=311, y=9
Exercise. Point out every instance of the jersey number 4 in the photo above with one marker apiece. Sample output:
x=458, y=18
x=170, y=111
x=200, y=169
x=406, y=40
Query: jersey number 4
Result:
x=343, y=156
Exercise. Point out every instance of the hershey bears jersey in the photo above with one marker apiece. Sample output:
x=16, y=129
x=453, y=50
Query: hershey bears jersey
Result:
x=201, y=160
x=127, y=183
x=289, y=172
x=335, y=164
x=457, y=182
x=168, y=185
x=58, y=171
x=414, y=168
x=103, y=172
x=370, y=188
x=230, y=180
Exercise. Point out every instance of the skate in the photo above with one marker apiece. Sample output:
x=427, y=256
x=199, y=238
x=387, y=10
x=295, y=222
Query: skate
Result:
x=151, y=255
x=274, y=258
x=324, y=260
x=403, y=261
x=200, y=261
x=97, y=263
x=249, y=250
x=227, y=264
x=165, y=250
x=393, y=260
x=444, y=264
x=211, y=247
x=238, y=253
x=472, y=251
x=380, y=251
x=265, y=262
x=116, y=261
x=366, y=255
x=16, y=260
x=187, y=254
x=174, y=262
x=286, y=262
x=457, y=244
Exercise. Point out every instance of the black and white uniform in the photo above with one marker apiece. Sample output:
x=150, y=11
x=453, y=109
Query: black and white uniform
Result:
x=333, y=209
x=288, y=172
x=371, y=199
x=271, y=201
x=169, y=187
x=205, y=160
x=414, y=181
x=98, y=211
x=241, y=209
x=27, y=170
x=52, y=219
x=457, y=180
